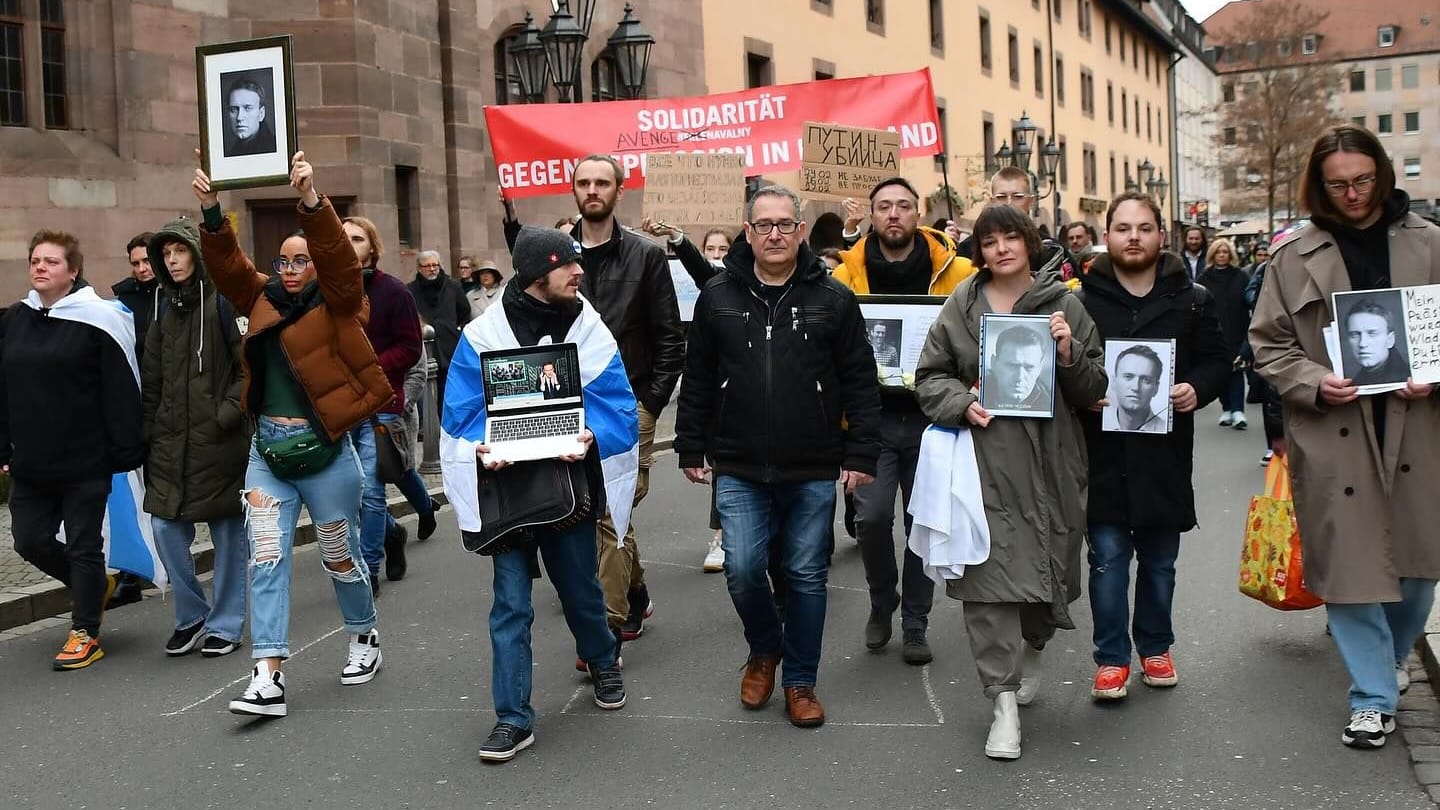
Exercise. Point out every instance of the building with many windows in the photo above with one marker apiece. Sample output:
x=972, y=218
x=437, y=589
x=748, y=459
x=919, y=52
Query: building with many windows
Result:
x=1387, y=54
x=1196, y=189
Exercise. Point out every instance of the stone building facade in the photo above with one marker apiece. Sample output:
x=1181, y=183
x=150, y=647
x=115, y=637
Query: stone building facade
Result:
x=99, y=120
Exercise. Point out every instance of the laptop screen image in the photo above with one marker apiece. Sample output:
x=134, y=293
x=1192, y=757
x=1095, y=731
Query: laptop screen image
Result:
x=530, y=377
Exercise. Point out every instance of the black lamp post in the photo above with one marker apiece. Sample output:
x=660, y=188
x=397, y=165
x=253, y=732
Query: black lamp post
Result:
x=584, y=12
x=528, y=57
x=1145, y=174
x=1158, y=188
x=1130, y=184
x=1023, y=134
x=631, y=45
x=564, y=41
x=1003, y=155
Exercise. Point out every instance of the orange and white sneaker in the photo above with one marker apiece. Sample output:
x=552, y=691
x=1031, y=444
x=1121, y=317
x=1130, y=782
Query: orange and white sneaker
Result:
x=80, y=651
x=1111, y=682
x=1159, y=670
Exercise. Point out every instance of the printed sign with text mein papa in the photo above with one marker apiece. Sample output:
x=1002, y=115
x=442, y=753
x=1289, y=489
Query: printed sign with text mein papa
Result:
x=701, y=191
x=846, y=161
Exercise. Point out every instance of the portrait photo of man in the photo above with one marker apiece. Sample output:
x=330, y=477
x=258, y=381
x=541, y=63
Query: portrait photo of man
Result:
x=884, y=341
x=550, y=387
x=1372, y=339
x=249, y=128
x=1017, y=378
x=1139, y=388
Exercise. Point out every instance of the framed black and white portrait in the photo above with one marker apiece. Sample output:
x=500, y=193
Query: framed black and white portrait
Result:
x=247, y=112
x=896, y=326
x=1374, y=349
x=884, y=335
x=1017, y=365
x=1142, y=372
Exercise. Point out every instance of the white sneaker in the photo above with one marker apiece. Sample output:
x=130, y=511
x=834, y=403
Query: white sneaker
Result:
x=715, y=557
x=1029, y=677
x=1367, y=729
x=1402, y=677
x=363, y=660
x=1004, y=739
x=1239, y=422
x=264, y=696
x=1226, y=418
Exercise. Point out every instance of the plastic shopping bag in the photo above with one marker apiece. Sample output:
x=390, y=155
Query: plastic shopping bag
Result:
x=1271, y=569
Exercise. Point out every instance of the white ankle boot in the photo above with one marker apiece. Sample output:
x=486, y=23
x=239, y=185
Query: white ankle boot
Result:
x=1004, y=739
x=1029, y=677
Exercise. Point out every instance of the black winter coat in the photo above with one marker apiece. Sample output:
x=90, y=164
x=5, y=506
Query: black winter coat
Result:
x=442, y=304
x=140, y=299
x=1227, y=286
x=1144, y=481
x=789, y=397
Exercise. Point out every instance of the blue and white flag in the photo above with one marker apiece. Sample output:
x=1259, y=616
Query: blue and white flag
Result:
x=610, y=411
x=129, y=539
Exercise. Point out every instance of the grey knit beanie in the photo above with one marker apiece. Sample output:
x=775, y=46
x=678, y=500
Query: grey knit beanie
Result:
x=540, y=250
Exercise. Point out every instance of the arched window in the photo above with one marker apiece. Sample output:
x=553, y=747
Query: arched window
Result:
x=507, y=79
x=603, y=78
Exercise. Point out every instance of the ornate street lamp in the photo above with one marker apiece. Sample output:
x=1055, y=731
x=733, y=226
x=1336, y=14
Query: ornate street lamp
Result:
x=1050, y=160
x=1145, y=172
x=1003, y=155
x=631, y=45
x=1130, y=184
x=564, y=41
x=1024, y=133
x=584, y=12
x=1161, y=187
x=527, y=56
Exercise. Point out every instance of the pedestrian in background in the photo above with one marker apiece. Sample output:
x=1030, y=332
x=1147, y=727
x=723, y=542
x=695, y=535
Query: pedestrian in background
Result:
x=443, y=305
x=190, y=381
x=1363, y=467
x=1225, y=281
x=70, y=418
x=487, y=288
x=310, y=376
x=1032, y=471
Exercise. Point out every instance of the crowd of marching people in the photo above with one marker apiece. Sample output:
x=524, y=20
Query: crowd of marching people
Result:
x=233, y=395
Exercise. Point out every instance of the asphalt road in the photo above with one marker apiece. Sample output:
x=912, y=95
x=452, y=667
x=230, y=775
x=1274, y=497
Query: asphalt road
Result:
x=1254, y=724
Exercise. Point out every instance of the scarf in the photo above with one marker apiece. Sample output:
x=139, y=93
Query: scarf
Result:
x=909, y=276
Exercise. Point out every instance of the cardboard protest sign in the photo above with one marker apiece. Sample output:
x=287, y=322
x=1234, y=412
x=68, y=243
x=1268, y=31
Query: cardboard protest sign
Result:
x=699, y=191
x=844, y=162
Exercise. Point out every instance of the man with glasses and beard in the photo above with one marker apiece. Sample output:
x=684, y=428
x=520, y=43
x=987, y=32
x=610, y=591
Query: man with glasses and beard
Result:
x=898, y=257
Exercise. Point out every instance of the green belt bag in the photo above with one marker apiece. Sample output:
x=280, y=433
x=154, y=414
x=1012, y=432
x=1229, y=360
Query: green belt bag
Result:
x=297, y=456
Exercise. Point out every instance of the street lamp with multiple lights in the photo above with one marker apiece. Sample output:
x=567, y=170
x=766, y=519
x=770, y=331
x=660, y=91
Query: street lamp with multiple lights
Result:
x=1023, y=135
x=553, y=55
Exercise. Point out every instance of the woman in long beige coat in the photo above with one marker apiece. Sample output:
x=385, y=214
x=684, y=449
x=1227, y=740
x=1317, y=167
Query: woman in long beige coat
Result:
x=1363, y=467
x=1033, y=472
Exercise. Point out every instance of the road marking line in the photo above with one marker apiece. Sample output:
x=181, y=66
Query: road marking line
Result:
x=573, y=698
x=930, y=694
x=244, y=678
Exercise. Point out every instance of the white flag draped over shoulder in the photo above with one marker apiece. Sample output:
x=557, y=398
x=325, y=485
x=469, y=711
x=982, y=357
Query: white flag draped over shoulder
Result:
x=129, y=541
x=610, y=411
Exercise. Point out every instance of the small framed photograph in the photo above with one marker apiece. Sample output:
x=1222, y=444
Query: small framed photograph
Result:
x=247, y=112
x=1142, y=372
x=1370, y=326
x=1017, y=365
x=896, y=326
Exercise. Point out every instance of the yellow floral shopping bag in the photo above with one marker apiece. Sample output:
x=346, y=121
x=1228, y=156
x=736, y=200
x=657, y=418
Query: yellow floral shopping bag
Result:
x=1271, y=569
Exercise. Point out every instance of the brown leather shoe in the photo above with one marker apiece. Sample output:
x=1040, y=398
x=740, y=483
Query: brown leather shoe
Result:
x=803, y=707
x=758, y=682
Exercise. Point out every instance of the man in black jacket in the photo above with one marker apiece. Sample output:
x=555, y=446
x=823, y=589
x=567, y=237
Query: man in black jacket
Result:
x=442, y=304
x=777, y=362
x=1141, y=494
x=139, y=292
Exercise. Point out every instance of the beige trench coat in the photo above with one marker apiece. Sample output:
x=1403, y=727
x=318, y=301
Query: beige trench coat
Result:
x=1368, y=515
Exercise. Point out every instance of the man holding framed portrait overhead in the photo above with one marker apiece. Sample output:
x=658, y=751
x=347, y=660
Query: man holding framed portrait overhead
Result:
x=899, y=257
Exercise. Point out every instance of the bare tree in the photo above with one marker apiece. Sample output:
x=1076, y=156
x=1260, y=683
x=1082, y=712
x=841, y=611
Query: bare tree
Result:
x=1281, y=101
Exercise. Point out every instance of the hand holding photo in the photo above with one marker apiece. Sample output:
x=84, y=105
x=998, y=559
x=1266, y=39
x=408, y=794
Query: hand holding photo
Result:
x=1017, y=365
x=1142, y=373
x=247, y=112
x=1374, y=349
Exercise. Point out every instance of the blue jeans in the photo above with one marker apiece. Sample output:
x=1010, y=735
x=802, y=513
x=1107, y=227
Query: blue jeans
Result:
x=332, y=496
x=570, y=562
x=375, y=518
x=1373, y=638
x=173, y=539
x=798, y=516
x=412, y=486
x=1111, y=547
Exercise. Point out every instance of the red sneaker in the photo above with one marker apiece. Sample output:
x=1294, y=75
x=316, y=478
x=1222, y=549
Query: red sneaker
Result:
x=1110, y=682
x=1159, y=670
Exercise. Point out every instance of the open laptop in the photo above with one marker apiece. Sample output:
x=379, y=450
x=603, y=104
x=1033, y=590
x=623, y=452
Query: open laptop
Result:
x=533, y=402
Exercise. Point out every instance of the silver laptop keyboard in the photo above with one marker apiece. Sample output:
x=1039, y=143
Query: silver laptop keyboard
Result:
x=540, y=426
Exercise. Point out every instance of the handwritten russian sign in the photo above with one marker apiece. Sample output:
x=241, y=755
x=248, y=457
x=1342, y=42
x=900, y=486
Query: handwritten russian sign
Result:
x=695, y=190
x=840, y=162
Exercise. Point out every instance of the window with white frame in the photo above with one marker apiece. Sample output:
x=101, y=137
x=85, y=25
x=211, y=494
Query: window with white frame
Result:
x=1386, y=37
x=1309, y=44
x=1384, y=124
x=1412, y=122
x=1412, y=168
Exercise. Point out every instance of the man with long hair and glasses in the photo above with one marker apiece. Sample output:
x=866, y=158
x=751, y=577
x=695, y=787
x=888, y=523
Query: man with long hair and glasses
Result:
x=1363, y=466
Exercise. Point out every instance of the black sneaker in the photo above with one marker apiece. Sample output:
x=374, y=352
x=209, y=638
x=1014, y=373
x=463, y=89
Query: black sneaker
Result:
x=264, y=696
x=504, y=742
x=1367, y=729
x=877, y=629
x=183, y=641
x=915, y=649
x=609, y=687
x=427, y=522
x=395, y=565
x=641, y=608
x=214, y=647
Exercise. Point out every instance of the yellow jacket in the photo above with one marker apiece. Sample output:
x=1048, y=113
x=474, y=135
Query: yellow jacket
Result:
x=948, y=269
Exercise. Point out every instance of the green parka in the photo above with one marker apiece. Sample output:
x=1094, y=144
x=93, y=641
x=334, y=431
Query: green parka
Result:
x=190, y=382
x=1033, y=472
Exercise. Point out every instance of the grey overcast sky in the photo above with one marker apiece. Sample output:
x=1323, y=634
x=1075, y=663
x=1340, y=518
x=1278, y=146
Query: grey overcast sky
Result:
x=1200, y=9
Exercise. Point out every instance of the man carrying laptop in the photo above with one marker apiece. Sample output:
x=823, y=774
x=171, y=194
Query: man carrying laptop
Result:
x=538, y=377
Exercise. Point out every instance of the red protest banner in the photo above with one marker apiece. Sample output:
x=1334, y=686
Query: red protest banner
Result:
x=536, y=146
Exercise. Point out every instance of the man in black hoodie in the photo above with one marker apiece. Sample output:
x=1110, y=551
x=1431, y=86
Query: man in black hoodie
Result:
x=781, y=395
x=1141, y=493
x=139, y=292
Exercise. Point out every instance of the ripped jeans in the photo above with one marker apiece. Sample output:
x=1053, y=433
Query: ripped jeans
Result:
x=272, y=508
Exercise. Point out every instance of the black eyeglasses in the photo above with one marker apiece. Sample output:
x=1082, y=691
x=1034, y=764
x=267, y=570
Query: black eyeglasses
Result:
x=764, y=228
x=290, y=267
